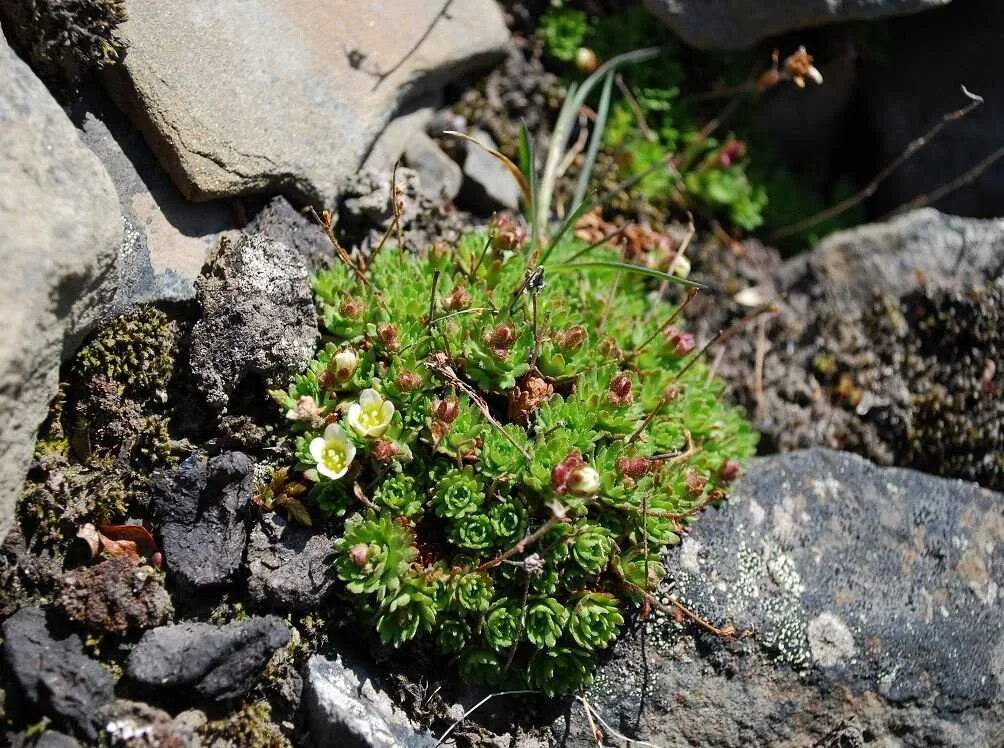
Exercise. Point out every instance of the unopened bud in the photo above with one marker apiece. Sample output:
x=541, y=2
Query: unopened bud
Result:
x=682, y=342
x=729, y=471
x=388, y=336
x=350, y=308
x=359, y=553
x=343, y=365
x=633, y=467
x=408, y=381
x=695, y=482
x=584, y=482
x=459, y=299
x=385, y=451
x=620, y=390
x=447, y=410
x=572, y=338
x=586, y=60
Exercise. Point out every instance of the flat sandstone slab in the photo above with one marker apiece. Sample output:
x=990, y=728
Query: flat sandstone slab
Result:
x=244, y=96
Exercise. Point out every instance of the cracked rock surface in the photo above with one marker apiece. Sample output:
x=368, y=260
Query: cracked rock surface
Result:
x=303, y=125
x=875, y=601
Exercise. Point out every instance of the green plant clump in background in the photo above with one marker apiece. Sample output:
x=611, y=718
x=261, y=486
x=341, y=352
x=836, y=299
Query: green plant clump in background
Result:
x=508, y=447
x=736, y=179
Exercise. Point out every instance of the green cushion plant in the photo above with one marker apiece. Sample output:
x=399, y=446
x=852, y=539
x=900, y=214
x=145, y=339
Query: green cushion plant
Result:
x=509, y=432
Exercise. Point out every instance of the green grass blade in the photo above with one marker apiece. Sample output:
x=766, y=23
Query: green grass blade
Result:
x=528, y=165
x=596, y=139
x=629, y=267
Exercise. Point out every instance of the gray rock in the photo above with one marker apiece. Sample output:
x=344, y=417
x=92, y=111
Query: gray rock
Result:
x=258, y=318
x=344, y=707
x=389, y=147
x=739, y=24
x=898, y=112
x=54, y=673
x=201, y=509
x=875, y=601
x=289, y=98
x=167, y=239
x=134, y=723
x=441, y=176
x=487, y=183
x=923, y=246
x=281, y=222
x=216, y=662
x=53, y=739
x=366, y=197
x=115, y=595
x=289, y=565
x=60, y=230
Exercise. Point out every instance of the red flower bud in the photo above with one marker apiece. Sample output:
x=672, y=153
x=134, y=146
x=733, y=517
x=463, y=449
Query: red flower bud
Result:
x=729, y=471
x=388, y=336
x=447, y=410
x=634, y=468
x=359, y=553
x=561, y=474
x=384, y=451
x=506, y=232
x=501, y=339
x=572, y=338
x=459, y=299
x=408, y=381
x=350, y=308
x=620, y=390
x=682, y=342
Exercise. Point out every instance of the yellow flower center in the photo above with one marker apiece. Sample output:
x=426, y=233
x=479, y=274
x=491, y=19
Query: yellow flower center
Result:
x=370, y=416
x=334, y=457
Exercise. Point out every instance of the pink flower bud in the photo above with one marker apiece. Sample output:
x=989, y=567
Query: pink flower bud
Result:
x=359, y=553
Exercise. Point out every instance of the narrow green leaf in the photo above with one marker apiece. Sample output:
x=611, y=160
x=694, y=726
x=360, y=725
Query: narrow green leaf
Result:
x=596, y=139
x=630, y=267
x=528, y=163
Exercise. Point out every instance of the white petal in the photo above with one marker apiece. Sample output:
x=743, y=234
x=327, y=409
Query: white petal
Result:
x=317, y=449
x=369, y=397
x=333, y=431
x=386, y=411
x=350, y=453
x=353, y=416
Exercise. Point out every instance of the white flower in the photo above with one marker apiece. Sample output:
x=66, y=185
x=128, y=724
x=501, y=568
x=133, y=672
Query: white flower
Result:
x=344, y=365
x=371, y=415
x=333, y=452
x=584, y=482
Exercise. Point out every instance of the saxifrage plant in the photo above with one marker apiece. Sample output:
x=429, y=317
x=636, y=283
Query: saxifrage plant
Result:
x=510, y=432
x=511, y=451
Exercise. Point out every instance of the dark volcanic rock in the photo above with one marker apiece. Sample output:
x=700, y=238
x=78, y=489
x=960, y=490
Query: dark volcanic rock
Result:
x=281, y=222
x=201, y=512
x=345, y=707
x=289, y=564
x=258, y=319
x=54, y=674
x=115, y=595
x=874, y=597
x=217, y=662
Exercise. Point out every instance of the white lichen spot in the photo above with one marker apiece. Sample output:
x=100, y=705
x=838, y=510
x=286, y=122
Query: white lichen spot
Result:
x=689, y=555
x=830, y=641
x=785, y=575
x=757, y=512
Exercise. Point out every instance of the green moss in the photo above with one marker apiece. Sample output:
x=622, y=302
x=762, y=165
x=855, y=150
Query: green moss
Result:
x=135, y=352
x=489, y=502
x=250, y=727
x=66, y=37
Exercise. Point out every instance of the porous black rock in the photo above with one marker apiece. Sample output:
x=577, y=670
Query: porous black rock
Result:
x=258, y=321
x=53, y=672
x=281, y=222
x=200, y=509
x=289, y=565
x=874, y=601
x=214, y=662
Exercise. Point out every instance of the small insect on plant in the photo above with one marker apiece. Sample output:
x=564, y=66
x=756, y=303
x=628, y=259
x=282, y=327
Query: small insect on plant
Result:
x=508, y=433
